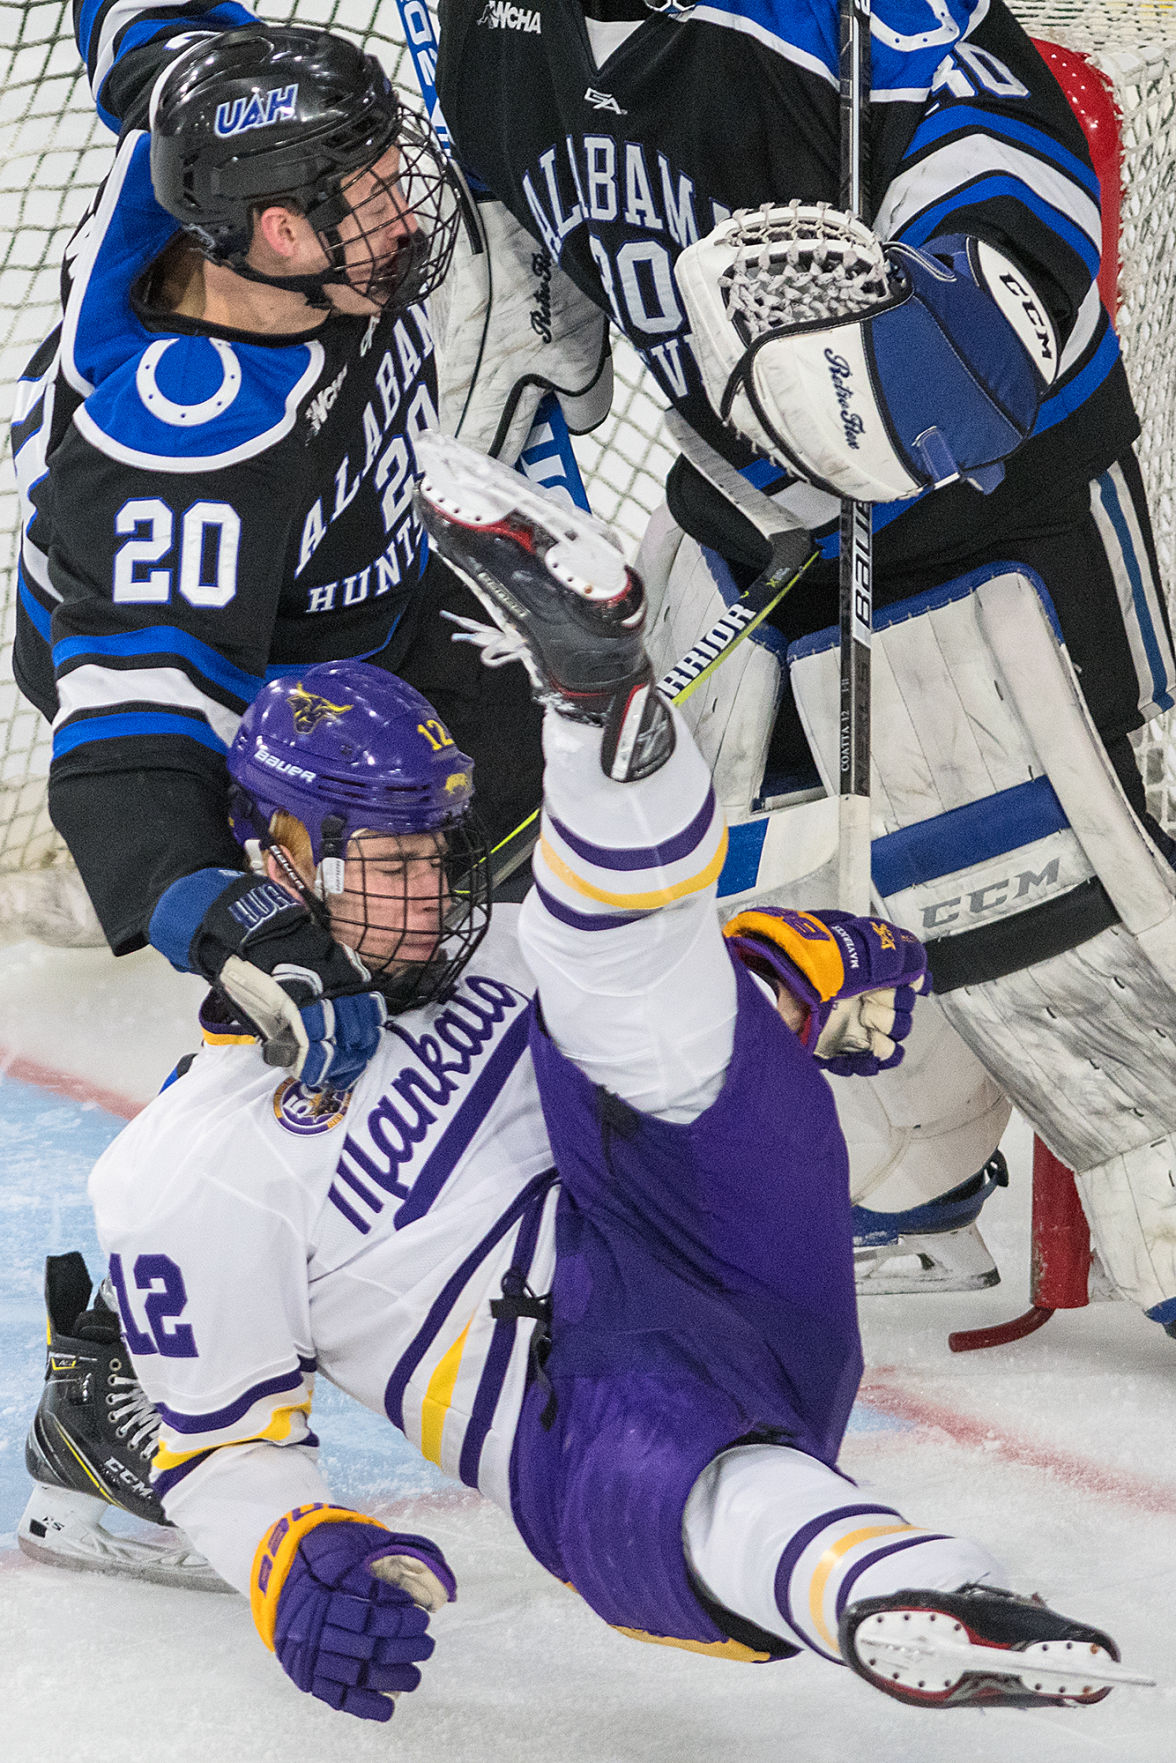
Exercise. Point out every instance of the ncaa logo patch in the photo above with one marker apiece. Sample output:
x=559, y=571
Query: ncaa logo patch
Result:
x=306, y=1112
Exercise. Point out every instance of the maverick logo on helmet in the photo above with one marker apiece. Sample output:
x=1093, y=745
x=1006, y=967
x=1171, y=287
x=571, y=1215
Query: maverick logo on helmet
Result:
x=308, y=709
x=257, y=111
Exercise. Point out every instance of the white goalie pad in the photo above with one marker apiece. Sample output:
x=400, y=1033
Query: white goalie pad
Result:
x=731, y=714
x=510, y=326
x=1003, y=837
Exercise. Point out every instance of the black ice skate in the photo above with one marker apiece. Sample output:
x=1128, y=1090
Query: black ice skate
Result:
x=89, y=1450
x=982, y=1646
x=556, y=582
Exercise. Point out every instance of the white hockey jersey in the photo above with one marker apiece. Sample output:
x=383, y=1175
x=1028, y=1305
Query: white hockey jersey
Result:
x=255, y=1237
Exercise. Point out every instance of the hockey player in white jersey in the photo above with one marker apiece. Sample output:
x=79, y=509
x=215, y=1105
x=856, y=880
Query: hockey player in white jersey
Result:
x=542, y=1236
x=953, y=365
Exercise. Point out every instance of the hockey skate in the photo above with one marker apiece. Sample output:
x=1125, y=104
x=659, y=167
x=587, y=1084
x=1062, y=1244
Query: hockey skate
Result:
x=558, y=588
x=979, y=1645
x=932, y=1248
x=89, y=1450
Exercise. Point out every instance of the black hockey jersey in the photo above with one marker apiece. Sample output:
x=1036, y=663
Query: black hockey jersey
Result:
x=203, y=509
x=617, y=167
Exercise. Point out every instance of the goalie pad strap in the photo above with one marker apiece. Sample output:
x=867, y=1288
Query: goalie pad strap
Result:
x=995, y=950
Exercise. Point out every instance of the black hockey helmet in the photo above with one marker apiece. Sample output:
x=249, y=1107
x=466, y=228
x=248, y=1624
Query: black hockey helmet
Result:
x=271, y=113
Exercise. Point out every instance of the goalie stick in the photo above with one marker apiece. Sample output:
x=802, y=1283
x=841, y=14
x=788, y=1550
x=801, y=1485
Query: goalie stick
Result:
x=856, y=562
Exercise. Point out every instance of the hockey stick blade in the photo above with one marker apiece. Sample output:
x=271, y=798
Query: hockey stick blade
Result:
x=1059, y=1666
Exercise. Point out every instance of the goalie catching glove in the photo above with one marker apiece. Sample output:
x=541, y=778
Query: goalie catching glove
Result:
x=857, y=977
x=344, y=1603
x=300, y=991
x=874, y=371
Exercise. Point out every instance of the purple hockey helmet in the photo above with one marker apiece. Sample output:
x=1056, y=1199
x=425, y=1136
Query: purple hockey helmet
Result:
x=360, y=758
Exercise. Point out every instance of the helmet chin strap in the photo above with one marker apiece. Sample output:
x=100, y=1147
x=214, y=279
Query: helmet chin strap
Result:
x=311, y=287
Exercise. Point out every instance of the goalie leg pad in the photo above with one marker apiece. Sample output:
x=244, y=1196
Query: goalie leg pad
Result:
x=731, y=714
x=1008, y=845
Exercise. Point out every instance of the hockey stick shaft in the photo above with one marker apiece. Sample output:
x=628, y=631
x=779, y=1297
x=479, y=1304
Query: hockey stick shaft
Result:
x=547, y=457
x=741, y=618
x=856, y=562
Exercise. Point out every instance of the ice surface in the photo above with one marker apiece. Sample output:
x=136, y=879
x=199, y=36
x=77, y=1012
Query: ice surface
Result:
x=1057, y=1452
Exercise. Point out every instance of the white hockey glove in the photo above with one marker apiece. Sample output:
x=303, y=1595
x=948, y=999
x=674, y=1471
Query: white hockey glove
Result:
x=511, y=326
x=875, y=371
x=858, y=978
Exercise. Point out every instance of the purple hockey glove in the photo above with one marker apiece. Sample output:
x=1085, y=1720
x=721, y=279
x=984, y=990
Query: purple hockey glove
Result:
x=345, y=1604
x=858, y=978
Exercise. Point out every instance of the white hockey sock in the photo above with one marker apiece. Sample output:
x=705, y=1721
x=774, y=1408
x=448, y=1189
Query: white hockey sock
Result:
x=787, y=1543
x=620, y=929
x=613, y=850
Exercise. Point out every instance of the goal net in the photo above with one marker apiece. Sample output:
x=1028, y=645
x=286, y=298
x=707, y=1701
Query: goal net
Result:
x=53, y=151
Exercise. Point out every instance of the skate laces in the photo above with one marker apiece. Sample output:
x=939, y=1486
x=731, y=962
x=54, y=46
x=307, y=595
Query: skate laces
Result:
x=497, y=647
x=133, y=1415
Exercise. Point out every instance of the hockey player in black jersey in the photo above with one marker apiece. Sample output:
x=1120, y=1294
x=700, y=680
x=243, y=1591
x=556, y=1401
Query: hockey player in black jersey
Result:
x=215, y=450
x=983, y=408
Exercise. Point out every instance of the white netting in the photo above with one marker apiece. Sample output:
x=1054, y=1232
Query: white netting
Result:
x=53, y=152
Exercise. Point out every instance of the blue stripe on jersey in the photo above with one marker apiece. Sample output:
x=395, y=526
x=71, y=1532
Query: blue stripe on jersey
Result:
x=222, y=1417
x=450, y=1292
x=1005, y=821
x=218, y=18
x=36, y=613
x=163, y=639
x=283, y=669
x=926, y=224
x=965, y=120
x=1076, y=391
x=812, y=32
x=586, y=920
x=882, y=515
x=134, y=723
x=1108, y=495
x=477, y=1104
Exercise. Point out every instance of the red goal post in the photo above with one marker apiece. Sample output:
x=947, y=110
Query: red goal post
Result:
x=1060, y=1253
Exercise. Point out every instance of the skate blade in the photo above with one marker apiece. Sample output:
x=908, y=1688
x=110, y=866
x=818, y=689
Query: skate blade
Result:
x=931, y=1654
x=62, y=1528
x=948, y=1261
x=477, y=491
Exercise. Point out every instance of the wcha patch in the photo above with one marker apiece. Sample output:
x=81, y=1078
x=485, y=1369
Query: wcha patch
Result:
x=307, y=1112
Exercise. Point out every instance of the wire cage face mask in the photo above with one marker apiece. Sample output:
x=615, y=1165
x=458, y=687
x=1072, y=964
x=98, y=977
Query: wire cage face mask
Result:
x=414, y=907
x=390, y=231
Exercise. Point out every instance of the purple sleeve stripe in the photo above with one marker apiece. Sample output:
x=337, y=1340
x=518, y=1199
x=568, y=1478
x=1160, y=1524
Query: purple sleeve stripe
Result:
x=484, y=1092
x=796, y=1549
x=873, y=1555
x=585, y=920
x=449, y=1294
x=221, y=1417
x=498, y=1357
x=640, y=856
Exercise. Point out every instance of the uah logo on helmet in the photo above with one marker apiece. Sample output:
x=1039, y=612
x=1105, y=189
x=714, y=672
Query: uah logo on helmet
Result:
x=257, y=111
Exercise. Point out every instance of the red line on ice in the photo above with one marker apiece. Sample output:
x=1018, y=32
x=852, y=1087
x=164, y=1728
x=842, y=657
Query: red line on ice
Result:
x=878, y=1391
x=65, y=1083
